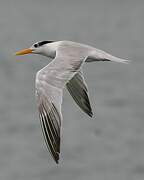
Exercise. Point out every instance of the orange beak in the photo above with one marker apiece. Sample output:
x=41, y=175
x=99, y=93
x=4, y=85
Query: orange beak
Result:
x=24, y=51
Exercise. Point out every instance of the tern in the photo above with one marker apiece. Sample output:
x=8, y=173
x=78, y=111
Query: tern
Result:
x=65, y=70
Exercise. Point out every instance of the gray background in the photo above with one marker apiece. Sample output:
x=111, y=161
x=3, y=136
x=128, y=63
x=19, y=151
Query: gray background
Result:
x=110, y=145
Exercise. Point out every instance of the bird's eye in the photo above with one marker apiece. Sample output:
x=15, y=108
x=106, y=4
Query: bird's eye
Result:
x=35, y=45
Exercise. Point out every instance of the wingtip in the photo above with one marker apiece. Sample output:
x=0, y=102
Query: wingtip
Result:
x=90, y=114
x=56, y=158
x=57, y=162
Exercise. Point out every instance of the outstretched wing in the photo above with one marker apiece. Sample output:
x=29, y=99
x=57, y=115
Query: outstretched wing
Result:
x=50, y=82
x=77, y=87
x=49, y=100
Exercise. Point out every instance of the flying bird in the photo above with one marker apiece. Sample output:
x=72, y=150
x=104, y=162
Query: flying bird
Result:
x=65, y=70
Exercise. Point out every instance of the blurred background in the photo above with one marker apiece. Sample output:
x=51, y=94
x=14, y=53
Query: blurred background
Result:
x=110, y=145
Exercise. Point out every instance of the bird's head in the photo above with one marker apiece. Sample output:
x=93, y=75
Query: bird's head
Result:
x=36, y=48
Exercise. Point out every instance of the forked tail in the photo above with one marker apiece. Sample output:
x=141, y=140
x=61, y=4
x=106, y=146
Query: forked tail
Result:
x=99, y=55
x=119, y=60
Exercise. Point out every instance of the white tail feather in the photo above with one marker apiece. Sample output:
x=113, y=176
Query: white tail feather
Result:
x=99, y=55
x=119, y=60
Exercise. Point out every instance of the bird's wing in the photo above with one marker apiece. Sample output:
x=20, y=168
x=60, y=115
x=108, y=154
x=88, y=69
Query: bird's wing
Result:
x=77, y=87
x=49, y=101
x=50, y=82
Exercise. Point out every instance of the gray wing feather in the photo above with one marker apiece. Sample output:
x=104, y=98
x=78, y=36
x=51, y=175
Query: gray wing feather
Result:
x=51, y=123
x=77, y=87
x=50, y=82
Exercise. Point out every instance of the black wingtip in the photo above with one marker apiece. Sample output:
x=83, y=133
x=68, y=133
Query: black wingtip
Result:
x=57, y=162
x=90, y=114
x=56, y=158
